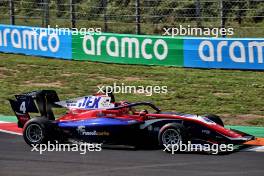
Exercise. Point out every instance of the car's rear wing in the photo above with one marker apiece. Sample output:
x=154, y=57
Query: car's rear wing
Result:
x=34, y=102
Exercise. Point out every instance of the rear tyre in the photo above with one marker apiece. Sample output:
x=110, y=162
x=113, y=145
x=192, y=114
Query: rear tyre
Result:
x=172, y=134
x=36, y=131
x=215, y=119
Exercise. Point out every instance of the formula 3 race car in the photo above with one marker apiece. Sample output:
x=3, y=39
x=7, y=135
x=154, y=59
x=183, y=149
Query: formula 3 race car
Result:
x=100, y=119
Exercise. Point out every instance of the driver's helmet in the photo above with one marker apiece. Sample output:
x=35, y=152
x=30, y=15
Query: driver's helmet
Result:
x=143, y=112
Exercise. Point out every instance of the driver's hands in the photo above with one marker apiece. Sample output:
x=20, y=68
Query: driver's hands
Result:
x=143, y=112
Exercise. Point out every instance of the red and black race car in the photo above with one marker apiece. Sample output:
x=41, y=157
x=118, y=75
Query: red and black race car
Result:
x=100, y=119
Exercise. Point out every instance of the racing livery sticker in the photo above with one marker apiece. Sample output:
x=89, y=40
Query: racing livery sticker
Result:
x=88, y=102
x=81, y=130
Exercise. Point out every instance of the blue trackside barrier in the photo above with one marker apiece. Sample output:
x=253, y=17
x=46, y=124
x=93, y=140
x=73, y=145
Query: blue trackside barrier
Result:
x=35, y=41
x=236, y=53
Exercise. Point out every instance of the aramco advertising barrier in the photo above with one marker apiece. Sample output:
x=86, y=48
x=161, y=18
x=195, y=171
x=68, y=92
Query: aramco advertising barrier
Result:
x=128, y=49
x=35, y=41
x=235, y=53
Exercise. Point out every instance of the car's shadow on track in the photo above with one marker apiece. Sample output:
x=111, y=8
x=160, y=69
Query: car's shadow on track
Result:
x=131, y=148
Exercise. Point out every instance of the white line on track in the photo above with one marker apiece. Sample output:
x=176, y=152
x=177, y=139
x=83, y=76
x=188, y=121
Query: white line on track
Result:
x=254, y=149
x=10, y=132
x=4, y=122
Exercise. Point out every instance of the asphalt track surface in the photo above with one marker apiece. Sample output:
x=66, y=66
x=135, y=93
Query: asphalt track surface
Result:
x=16, y=158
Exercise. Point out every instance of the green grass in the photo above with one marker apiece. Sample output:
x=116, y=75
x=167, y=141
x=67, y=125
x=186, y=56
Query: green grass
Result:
x=256, y=122
x=237, y=96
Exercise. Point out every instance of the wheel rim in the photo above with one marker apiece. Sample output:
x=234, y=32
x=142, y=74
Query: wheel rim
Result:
x=34, y=133
x=171, y=137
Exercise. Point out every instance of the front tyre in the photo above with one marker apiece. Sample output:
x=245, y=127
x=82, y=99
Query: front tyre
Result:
x=36, y=131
